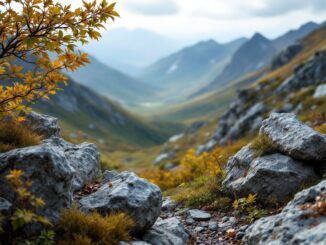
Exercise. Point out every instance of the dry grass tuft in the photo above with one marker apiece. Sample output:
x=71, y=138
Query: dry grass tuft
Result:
x=262, y=145
x=16, y=135
x=76, y=227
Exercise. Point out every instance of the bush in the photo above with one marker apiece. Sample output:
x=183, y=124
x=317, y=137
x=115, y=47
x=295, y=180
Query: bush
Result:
x=16, y=135
x=321, y=128
x=262, y=145
x=76, y=227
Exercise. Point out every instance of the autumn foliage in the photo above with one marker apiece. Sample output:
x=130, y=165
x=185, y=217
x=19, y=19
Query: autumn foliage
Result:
x=32, y=32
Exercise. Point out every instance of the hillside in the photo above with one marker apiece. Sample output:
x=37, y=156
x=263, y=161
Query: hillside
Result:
x=189, y=68
x=87, y=114
x=112, y=83
x=255, y=54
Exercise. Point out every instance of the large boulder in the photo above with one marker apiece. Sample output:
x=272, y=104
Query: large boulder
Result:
x=286, y=55
x=300, y=222
x=294, y=138
x=45, y=125
x=126, y=192
x=272, y=177
x=56, y=169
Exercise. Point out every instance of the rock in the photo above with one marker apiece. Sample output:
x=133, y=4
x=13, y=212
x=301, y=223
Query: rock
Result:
x=84, y=158
x=294, y=138
x=199, y=229
x=250, y=121
x=174, y=226
x=44, y=125
x=190, y=221
x=55, y=167
x=5, y=206
x=176, y=137
x=134, y=243
x=296, y=224
x=320, y=91
x=213, y=225
x=159, y=236
x=286, y=55
x=130, y=194
x=199, y=215
x=169, y=204
x=108, y=176
x=273, y=177
x=312, y=73
x=231, y=233
x=164, y=157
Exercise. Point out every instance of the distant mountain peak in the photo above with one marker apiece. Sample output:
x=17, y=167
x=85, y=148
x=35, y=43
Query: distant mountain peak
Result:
x=259, y=37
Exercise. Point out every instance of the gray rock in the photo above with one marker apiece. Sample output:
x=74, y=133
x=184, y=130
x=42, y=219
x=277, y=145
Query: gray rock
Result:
x=55, y=167
x=5, y=206
x=273, y=177
x=169, y=204
x=130, y=194
x=84, y=158
x=294, y=138
x=312, y=73
x=294, y=225
x=199, y=229
x=108, y=176
x=190, y=221
x=135, y=243
x=213, y=225
x=159, y=236
x=320, y=91
x=174, y=226
x=164, y=157
x=44, y=125
x=199, y=215
x=286, y=55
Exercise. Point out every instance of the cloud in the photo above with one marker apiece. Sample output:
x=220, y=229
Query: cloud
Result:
x=279, y=7
x=151, y=7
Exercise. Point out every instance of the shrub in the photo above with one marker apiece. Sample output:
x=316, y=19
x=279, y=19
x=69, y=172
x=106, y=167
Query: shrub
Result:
x=15, y=135
x=321, y=128
x=76, y=227
x=247, y=207
x=262, y=145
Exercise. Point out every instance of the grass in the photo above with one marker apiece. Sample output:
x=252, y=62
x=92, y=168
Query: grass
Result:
x=321, y=128
x=16, y=135
x=76, y=227
x=262, y=145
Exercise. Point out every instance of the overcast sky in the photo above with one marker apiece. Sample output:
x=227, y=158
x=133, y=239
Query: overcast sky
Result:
x=220, y=19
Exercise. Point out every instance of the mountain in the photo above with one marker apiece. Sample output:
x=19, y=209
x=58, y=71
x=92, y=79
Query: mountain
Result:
x=294, y=35
x=129, y=50
x=190, y=67
x=83, y=110
x=251, y=56
x=111, y=82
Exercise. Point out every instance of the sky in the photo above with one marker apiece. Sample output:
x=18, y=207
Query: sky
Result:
x=222, y=20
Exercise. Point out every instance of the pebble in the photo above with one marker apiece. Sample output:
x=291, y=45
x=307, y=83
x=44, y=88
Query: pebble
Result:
x=199, y=215
x=213, y=225
x=199, y=229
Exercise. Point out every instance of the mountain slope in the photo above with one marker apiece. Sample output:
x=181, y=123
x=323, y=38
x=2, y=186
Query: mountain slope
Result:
x=294, y=35
x=251, y=56
x=81, y=109
x=189, y=68
x=111, y=83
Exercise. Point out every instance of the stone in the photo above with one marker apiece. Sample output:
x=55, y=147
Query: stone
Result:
x=199, y=229
x=56, y=169
x=199, y=215
x=213, y=225
x=134, y=243
x=190, y=221
x=296, y=224
x=159, y=236
x=169, y=204
x=320, y=91
x=272, y=177
x=108, y=176
x=231, y=233
x=164, y=157
x=312, y=73
x=294, y=138
x=286, y=55
x=130, y=194
x=47, y=126
x=174, y=226
x=5, y=206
